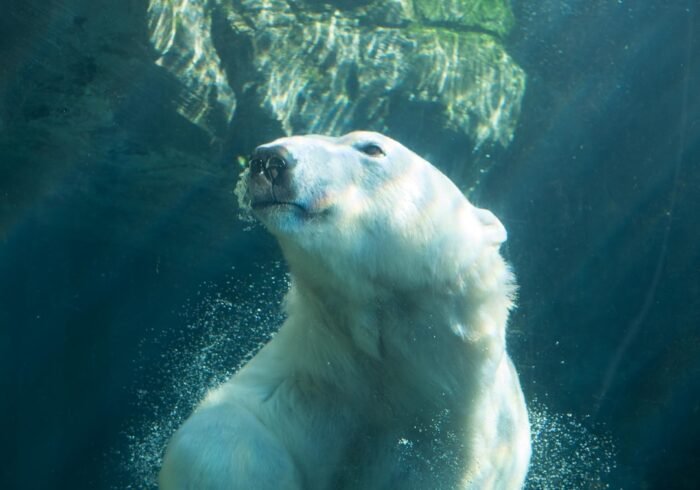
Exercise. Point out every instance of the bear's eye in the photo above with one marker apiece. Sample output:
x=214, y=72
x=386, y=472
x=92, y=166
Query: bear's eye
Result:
x=372, y=150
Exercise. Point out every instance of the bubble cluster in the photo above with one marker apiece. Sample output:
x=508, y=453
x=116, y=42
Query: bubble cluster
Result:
x=225, y=325
x=444, y=445
x=566, y=454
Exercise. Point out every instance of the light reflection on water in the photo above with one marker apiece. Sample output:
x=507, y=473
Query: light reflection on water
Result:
x=180, y=33
x=319, y=72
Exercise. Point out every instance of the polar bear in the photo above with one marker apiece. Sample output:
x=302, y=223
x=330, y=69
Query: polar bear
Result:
x=390, y=371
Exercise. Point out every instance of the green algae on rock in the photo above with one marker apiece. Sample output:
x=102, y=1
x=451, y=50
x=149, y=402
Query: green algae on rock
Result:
x=494, y=16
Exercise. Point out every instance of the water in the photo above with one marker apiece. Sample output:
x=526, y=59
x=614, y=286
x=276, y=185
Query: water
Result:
x=129, y=287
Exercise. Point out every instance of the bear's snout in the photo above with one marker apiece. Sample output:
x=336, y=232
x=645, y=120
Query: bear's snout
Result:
x=270, y=176
x=272, y=162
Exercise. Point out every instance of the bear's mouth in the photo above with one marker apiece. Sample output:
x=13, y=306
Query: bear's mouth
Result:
x=269, y=204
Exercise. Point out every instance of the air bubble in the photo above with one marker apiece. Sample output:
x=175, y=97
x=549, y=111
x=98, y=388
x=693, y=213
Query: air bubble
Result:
x=225, y=325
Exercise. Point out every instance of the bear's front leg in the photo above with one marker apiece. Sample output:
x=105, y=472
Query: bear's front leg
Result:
x=226, y=447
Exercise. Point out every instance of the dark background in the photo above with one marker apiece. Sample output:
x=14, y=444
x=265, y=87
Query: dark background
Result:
x=109, y=225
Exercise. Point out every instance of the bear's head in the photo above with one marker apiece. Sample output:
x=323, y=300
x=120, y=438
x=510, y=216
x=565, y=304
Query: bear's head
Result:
x=363, y=207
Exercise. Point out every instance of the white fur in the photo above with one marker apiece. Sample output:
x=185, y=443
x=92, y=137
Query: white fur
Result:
x=390, y=371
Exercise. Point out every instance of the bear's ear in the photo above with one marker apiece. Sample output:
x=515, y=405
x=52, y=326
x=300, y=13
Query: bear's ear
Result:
x=494, y=231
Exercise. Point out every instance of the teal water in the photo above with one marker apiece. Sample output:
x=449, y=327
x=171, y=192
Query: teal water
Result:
x=128, y=285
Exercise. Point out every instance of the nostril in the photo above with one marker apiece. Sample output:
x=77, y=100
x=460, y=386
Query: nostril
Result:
x=257, y=165
x=273, y=168
x=276, y=162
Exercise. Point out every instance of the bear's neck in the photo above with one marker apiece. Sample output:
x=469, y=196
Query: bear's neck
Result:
x=355, y=330
x=395, y=334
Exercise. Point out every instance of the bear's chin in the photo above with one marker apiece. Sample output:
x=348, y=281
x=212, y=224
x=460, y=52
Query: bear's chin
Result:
x=284, y=217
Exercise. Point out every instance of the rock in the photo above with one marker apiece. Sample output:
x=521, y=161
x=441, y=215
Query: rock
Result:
x=88, y=127
x=329, y=67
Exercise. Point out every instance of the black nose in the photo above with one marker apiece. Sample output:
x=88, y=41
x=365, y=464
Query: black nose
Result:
x=270, y=161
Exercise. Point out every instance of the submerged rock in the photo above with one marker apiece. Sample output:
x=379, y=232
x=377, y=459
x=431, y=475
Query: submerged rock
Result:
x=329, y=67
x=490, y=15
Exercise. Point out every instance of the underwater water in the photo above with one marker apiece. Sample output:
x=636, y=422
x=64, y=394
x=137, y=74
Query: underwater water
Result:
x=129, y=286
